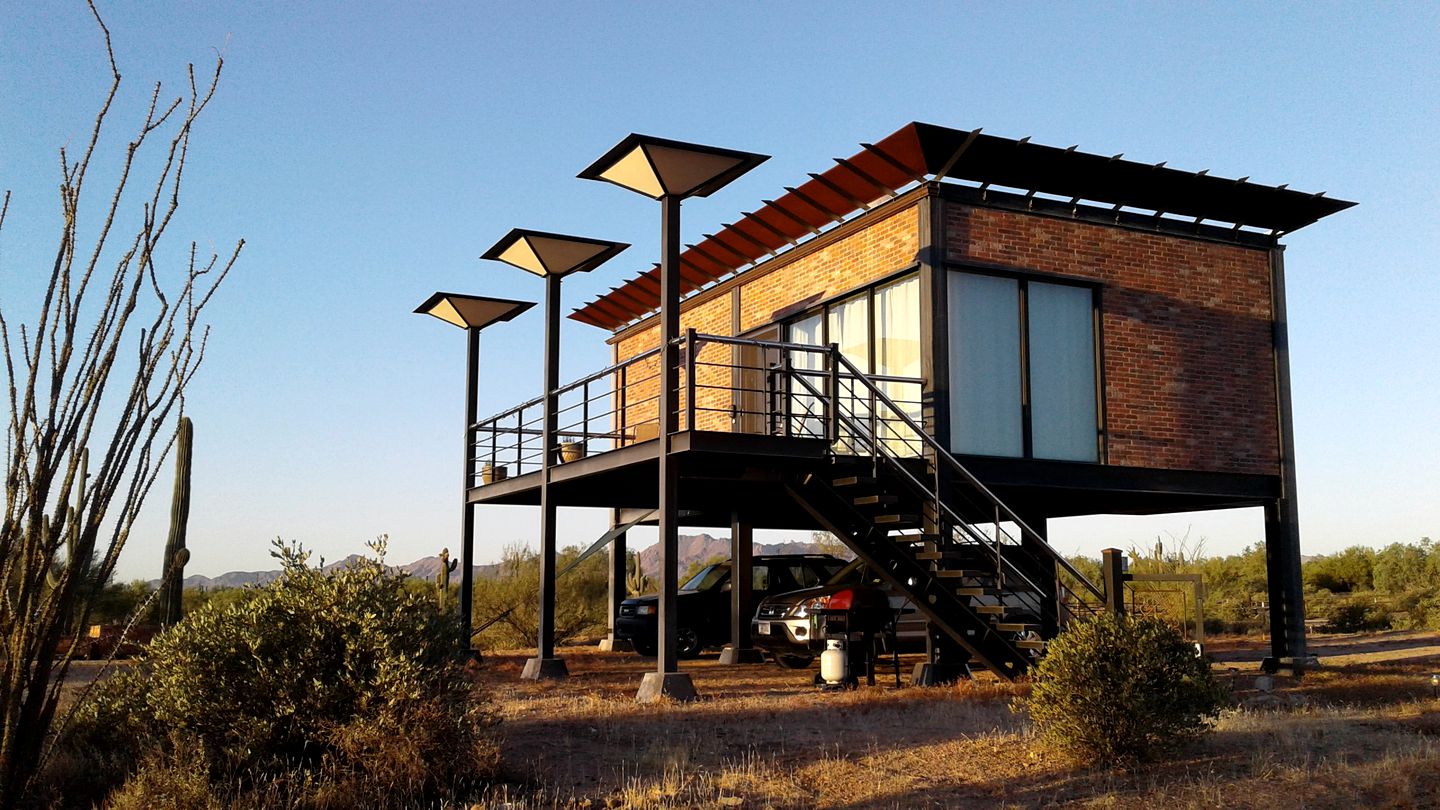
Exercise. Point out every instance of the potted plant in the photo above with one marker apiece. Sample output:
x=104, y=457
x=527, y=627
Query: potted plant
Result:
x=491, y=473
x=571, y=450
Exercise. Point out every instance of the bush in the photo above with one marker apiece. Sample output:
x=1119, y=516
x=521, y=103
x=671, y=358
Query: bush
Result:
x=581, y=598
x=317, y=690
x=1122, y=688
x=1356, y=615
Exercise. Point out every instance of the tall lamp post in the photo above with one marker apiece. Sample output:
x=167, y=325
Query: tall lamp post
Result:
x=669, y=171
x=551, y=256
x=471, y=313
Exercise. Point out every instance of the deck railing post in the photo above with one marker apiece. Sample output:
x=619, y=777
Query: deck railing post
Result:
x=690, y=365
x=832, y=411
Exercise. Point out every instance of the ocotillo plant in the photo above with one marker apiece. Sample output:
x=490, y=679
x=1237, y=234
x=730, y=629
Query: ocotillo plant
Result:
x=77, y=558
x=442, y=578
x=173, y=572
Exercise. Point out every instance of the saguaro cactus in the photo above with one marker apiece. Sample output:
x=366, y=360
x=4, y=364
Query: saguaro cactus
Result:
x=176, y=555
x=442, y=578
x=636, y=582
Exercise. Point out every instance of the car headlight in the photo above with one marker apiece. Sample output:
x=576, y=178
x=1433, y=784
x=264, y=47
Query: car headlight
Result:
x=644, y=610
x=803, y=609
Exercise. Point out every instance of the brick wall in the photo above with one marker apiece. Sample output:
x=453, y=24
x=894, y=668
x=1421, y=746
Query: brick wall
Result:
x=888, y=245
x=1188, y=360
x=1187, y=356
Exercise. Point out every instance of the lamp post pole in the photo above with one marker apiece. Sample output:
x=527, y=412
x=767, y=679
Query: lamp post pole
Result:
x=667, y=663
x=552, y=256
x=471, y=313
x=545, y=648
x=669, y=171
x=467, y=519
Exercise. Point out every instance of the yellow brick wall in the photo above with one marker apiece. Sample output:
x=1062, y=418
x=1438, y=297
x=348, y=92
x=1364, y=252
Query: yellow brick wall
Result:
x=888, y=245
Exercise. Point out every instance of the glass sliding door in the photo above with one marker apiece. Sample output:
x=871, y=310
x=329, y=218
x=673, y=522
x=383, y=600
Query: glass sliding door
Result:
x=1063, y=422
x=803, y=407
x=1017, y=342
x=849, y=325
x=897, y=354
x=985, y=380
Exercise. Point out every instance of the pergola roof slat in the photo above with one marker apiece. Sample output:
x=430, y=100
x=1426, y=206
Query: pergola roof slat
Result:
x=917, y=150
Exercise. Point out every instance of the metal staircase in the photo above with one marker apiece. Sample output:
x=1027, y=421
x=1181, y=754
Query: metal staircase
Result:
x=905, y=505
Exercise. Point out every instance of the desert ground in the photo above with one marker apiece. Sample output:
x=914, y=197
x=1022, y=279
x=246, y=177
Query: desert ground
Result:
x=1359, y=732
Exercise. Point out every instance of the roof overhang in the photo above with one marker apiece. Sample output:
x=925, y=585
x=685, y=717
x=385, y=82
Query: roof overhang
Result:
x=918, y=152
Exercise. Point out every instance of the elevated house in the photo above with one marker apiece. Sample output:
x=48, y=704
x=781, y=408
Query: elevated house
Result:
x=937, y=345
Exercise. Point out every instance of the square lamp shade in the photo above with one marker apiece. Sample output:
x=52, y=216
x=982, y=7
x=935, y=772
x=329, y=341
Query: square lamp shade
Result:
x=471, y=311
x=657, y=167
x=552, y=254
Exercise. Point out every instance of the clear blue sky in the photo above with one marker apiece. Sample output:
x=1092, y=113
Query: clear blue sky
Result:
x=369, y=153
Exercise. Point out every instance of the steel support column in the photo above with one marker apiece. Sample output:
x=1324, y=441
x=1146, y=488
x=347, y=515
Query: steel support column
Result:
x=467, y=514
x=616, y=591
x=1041, y=568
x=742, y=594
x=545, y=665
x=1282, y=516
x=667, y=680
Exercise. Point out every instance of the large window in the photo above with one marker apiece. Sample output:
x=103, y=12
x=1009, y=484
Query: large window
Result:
x=878, y=331
x=1022, y=368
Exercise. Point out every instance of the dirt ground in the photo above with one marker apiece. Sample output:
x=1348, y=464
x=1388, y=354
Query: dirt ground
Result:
x=1359, y=732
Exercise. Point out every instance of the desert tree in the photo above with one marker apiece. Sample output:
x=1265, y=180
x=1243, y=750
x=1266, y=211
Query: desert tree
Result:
x=96, y=378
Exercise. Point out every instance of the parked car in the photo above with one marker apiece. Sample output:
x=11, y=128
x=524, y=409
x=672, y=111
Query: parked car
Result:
x=785, y=629
x=783, y=625
x=704, y=601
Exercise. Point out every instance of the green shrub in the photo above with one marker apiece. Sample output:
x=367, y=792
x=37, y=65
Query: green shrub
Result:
x=1122, y=688
x=1356, y=615
x=581, y=598
x=317, y=690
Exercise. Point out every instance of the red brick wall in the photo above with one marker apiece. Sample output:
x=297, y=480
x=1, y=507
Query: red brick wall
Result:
x=1188, y=359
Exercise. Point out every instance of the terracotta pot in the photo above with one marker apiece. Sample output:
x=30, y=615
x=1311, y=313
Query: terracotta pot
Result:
x=571, y=451
x=489, y=474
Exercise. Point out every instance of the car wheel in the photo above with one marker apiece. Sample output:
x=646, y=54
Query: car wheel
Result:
x=794, y=661
x=687, y=643
x=644, y=646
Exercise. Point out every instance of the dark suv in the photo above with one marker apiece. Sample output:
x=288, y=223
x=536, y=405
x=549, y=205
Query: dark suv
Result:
x=704, y=601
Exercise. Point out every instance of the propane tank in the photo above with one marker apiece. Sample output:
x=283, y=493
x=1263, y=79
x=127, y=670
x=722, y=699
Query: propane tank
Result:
x=834, y=662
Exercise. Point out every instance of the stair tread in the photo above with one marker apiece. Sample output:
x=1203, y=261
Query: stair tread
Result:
x=1031, y=644
x=876, y=500
x=993, y=610
x=976, y=590
x=854, y=481
x=1015, y=627
x=895, y=517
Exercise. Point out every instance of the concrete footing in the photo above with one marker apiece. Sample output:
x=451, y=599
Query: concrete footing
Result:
x=544, y=669
x=931, y=674
x=616, y=645
x=673, y=685
x=1290, y=666
x=744, y=655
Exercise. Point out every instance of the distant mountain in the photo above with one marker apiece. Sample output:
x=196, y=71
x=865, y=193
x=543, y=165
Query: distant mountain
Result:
x=693, y=548
x=423, y=568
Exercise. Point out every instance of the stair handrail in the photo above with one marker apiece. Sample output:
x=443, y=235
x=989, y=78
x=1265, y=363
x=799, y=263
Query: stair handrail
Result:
x=944, y=454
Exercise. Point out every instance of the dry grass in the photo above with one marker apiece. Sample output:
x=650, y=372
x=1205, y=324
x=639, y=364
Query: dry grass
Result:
x=1360, y=733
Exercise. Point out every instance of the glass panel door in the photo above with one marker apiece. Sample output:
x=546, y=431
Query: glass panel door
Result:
x=897, y=354
x=985, y=383
x=1063, y=421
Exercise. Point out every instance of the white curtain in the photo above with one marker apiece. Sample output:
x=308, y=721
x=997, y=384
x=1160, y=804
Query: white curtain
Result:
x=1063, y=420
x=985, y=414
x=804, y=408
x=897, y=354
